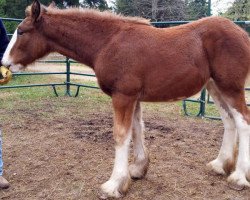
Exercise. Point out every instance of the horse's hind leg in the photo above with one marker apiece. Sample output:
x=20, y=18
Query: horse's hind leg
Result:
x=225, y=161
x=241, y=116
x=119, y=181
x=141, y=160
x=237, y=110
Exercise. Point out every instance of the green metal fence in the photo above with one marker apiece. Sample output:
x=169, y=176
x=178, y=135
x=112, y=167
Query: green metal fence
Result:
x=202, y=101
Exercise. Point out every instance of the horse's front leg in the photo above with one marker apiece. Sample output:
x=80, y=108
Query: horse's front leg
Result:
x=119, y=181
x=139, y=167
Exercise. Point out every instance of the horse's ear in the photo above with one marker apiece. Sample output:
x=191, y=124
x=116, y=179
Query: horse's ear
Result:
x=36, y=10
x=52, y=5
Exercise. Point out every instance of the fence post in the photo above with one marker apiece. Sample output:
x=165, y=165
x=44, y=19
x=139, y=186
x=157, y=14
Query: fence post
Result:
x=203, y=103
x=67, y=93
x=209, y=8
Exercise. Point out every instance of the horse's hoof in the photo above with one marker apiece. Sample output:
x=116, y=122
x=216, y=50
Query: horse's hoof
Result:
x=248, y=174
x=137, y=172
x=115, y=188
x=235, y=186
x=216, y=167
x=237, y=181
x=104, y=195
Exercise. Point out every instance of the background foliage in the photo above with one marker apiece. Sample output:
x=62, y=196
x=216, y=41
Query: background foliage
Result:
x=240, y=10
x=156, y=10
x=163, y=10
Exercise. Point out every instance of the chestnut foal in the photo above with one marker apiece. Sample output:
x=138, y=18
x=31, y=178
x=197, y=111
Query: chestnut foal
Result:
x=135, y=62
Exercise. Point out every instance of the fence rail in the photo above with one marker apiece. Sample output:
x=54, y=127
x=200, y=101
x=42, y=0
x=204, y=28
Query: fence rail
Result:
x=201, y=101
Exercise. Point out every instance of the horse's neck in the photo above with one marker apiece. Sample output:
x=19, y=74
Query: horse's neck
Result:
x=78, y=39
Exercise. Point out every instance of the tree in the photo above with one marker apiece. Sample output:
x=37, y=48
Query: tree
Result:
x=125, y=7
x=164, y=10
x=98, y=4
x=197, y=9
x=16, y=8
x=156, y=10
x=240, y=10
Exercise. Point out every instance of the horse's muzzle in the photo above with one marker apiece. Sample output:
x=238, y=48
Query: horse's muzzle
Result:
x=16, y=68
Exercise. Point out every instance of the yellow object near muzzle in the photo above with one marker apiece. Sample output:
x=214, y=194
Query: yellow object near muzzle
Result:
x=5, y=75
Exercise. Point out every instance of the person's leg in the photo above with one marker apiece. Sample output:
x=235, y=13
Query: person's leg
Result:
x=1, y=159
x=3, y=182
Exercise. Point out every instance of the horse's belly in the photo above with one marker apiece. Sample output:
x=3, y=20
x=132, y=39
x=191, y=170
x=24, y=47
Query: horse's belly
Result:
x=173, y=90
x=166, y=96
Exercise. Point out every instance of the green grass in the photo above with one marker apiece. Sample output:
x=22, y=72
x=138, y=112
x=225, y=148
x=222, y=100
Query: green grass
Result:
x=89, y=98
x=193, y=109
x=31, y=93
x=42, y=100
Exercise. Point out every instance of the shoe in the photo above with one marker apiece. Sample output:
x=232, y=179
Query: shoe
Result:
x=4, y=184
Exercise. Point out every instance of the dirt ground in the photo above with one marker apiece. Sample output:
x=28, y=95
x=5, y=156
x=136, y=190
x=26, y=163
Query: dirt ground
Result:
x=64, y=151
x=62, y=148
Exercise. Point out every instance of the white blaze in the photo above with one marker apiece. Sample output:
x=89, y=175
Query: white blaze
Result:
x=7, y=60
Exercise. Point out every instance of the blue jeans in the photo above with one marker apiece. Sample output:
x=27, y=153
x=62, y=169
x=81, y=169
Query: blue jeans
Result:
x=1, y=160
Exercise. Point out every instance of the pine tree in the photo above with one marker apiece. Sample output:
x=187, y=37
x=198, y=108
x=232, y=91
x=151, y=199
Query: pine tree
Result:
x=16, y=8
x=98, y=4
x=240, y=10
x=156, y=10
x=197, y=9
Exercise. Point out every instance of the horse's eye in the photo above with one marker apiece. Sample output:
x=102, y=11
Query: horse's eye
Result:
x=19, y=32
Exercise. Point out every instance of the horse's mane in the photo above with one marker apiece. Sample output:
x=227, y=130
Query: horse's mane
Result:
x=93, y=13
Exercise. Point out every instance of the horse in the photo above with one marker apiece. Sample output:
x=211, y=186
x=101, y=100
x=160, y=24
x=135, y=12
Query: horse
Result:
x=135, y=62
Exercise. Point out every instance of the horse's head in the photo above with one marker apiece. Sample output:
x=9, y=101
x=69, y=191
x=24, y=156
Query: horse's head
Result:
x=28, y=43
